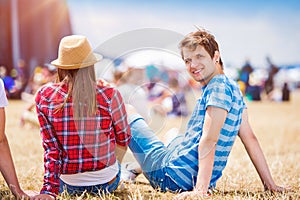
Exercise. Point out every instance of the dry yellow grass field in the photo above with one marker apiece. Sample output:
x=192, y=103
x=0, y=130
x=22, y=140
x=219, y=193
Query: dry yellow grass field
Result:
x=277, y=126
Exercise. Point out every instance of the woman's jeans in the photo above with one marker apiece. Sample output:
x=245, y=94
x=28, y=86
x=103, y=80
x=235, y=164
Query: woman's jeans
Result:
x=94, y=189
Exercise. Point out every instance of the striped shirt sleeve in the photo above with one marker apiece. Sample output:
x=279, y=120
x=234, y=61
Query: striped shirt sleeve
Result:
x=220, y=95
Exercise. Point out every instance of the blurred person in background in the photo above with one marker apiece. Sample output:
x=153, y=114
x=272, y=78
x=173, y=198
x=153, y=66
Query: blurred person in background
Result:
x=129, y=83
x=193, y=163
x=246, y=70
x=7, y=167
x=41, y=76
x=9, y=82
x=285, y=92
x=253, y=91
x=83, y=125
x=179, y=104
x=12, y=83
x=269, y=83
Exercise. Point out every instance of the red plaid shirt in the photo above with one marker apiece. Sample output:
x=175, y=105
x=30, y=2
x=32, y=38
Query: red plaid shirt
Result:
x=71, y=148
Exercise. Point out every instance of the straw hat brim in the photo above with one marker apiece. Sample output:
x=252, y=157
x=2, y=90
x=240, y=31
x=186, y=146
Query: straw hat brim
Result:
x=57, y=63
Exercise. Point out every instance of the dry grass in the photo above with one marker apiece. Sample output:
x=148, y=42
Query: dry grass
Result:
x=277, y=126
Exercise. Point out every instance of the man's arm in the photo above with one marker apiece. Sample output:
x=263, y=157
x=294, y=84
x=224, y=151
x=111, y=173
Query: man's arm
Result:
x=213, y=122
x=6, y=163
x=256, y=154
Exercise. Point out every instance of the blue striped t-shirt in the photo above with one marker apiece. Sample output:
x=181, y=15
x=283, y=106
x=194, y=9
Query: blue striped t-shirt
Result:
x=182, y=163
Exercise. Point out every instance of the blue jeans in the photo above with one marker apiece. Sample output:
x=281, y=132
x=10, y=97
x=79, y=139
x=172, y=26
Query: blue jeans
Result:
x=151, y=154
x=93, y=189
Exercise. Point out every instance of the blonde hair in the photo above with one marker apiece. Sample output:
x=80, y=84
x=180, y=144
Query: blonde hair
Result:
x=82, y=87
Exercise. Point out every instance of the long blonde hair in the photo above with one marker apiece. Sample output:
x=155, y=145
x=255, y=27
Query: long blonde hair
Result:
x=82, y=87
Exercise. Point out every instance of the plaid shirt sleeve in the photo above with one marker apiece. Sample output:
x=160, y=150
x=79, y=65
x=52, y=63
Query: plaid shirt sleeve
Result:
x=52, y=151
x=119, y=115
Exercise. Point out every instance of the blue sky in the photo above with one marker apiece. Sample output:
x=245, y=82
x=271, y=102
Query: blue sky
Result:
x=244, y=29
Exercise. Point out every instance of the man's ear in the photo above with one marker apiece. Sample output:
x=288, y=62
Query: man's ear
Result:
x=216, y=57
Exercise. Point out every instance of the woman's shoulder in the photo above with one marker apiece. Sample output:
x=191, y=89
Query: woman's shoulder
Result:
x=104, y=83
x=49, y=87
x=106, y=88
x=52, y=89
x=45, y=87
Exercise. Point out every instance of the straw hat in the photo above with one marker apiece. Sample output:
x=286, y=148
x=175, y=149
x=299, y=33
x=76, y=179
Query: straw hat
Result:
x=75, y=52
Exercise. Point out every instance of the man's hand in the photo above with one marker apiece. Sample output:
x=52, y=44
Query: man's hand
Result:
x=43, y=197
x=192, y=195
x=276, y=188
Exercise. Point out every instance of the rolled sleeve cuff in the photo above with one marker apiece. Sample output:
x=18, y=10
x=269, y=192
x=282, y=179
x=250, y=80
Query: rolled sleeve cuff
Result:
x=134, y=117
x=49, y=193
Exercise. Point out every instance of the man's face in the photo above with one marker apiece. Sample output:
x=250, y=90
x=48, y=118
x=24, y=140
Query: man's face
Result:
x=199, y=64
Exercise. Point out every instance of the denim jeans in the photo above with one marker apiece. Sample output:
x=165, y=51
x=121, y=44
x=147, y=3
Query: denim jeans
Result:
x=151, y=154
x=93, y=189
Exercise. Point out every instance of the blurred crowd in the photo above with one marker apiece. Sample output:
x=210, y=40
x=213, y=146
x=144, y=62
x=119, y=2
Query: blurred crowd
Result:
x=267, y=84
x=15, y=82
x=163, y=90
x=17, y=86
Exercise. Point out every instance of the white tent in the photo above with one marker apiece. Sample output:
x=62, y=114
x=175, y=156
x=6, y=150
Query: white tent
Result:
x=137, y=40
x=159, y=58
